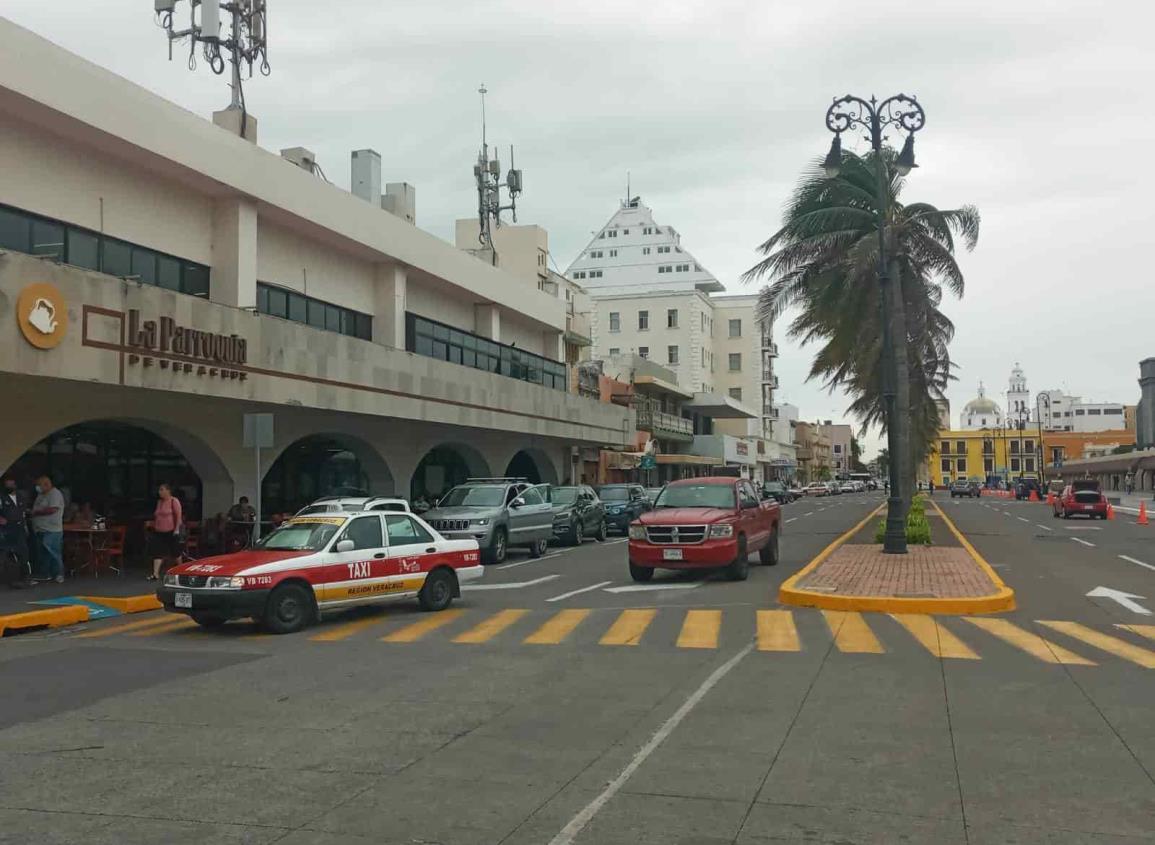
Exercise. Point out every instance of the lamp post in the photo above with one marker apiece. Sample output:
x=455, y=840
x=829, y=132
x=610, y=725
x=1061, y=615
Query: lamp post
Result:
x=1039, y=400
x=873, y=117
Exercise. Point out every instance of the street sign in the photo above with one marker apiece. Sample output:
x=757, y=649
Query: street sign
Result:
x=648, y=462
x=258, y=431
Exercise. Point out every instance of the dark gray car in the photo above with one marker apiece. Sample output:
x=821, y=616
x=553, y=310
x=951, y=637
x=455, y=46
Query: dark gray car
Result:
x=577, y=513
x=497, y=513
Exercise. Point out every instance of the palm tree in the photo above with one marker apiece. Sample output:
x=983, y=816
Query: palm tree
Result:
x=824, y=262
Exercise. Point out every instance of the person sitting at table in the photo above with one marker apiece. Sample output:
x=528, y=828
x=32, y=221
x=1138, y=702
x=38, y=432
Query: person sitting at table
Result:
x=242, y=511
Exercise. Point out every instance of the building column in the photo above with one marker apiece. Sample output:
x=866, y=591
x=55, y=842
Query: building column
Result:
x=234, y=270
x=553, y=345
x=390, y=292
x=487, y=321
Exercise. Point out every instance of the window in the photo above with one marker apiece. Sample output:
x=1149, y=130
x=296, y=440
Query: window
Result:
x=615, y=321
x=614, y=350
x=1094, y=412
x=735, y=328
x=645, y=250
x=962, y=466
x=1014, y=447
x=671, y=318
x=613, y=253
x=945, y=447
x=595, y=274
x=960, y=447
x=365, y=532
x=648, y=230
x=1029, y=447
x=625, y=231
x=596, y=253
x=1114, y=411
x=532, y=496
x=1057, y=415
x=672, y=354
x=662, y=268
x=988, y=465
x=838, y=448
x=1029, y=464
x=735, y=361
x=1078, y=412
x=403, y=531
x=703, y=316
x=663, y=249
x=578, y=274
x=946, y=466
x=1015, y=465
x=703, y=357
x=613, y=233
x=643, y=352
x=736, y=393
x=643, y=321
x=290, y=305
x=683, y=268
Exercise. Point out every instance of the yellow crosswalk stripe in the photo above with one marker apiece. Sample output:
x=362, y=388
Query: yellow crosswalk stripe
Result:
x=628, y=627
x=558, y=627
x=1028, y=641
x=336, y=633
x=170, y=625
x=412, y=633
x=851, y=633
x=1147, y=631
x=162, y=619
x=934, y=637
x=700, y=629
x=776, y=631
x=489, y=628
x=1117, y=647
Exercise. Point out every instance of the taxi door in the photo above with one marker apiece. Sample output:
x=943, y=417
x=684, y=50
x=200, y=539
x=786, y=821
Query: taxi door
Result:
x=353, y=572
x=412, y=551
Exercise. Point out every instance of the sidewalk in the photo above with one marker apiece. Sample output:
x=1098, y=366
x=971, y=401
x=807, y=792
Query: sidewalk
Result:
x=43, y=605
x=1130, y=503
x=852, y=573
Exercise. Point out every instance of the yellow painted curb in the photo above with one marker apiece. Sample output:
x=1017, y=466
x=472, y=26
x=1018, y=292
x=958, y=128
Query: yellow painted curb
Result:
x=53, y=617
x=126, y=604
x=1001, y=600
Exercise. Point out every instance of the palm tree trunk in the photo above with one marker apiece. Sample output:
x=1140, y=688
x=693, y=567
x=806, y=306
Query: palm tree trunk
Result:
x=898, y=333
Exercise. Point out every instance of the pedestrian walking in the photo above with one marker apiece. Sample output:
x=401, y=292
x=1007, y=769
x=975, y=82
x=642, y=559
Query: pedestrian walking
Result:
x=14, y=533
x=167, y=524
x=48, y=530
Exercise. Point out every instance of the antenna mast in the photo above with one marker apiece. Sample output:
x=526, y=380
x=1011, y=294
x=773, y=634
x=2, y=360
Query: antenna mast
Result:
x=487, y=174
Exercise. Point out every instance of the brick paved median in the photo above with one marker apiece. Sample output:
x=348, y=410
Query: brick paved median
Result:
x=924, y=572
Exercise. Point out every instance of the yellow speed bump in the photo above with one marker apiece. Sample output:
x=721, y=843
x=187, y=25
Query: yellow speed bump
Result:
x=126, y=604
x=53, y=617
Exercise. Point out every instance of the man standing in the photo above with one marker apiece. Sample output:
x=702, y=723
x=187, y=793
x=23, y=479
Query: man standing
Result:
x=48, y=528
x=13, y=533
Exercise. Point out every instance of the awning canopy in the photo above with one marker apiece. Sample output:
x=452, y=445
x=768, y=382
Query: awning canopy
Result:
x=653, y=384
x=720, y=407
x=696, y=460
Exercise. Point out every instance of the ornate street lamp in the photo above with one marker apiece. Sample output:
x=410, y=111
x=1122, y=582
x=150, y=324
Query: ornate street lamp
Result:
x=899, y=112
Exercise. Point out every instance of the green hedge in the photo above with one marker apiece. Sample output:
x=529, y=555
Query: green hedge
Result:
x=917, y=525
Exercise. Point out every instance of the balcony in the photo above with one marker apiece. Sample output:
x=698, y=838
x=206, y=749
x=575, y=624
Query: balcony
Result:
x=666, y=426
x=770, y=348
x=770, y=412
x=770, y=379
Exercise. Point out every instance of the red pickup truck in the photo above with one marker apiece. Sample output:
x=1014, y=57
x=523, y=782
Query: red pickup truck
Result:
x=704, y=523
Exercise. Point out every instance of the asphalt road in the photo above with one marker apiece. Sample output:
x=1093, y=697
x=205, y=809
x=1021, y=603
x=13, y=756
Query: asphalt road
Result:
x=554, y=707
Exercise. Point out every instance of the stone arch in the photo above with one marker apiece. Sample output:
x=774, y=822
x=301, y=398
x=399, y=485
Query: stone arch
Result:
x=446, y=465
x=533, y=464
x=324, y=464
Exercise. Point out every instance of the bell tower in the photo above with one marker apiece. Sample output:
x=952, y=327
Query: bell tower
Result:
x=1018, y=397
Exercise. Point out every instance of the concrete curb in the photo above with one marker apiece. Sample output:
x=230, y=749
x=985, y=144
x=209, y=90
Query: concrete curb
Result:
x=127, y=604
x=53, y=617
x=1003, y=599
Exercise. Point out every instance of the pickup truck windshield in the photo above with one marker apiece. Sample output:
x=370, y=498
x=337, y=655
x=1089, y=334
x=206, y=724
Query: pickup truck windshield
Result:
x=483, y=496
x=697, y=496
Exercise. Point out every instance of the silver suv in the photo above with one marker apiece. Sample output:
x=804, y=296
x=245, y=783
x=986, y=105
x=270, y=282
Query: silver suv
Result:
x=497, y=513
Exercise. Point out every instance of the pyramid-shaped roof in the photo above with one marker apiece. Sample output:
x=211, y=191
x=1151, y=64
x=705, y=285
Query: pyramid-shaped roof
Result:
x=633, y=254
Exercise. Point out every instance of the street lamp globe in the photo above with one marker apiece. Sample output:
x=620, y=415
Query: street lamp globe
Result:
x=905, y=161
x=833, y=162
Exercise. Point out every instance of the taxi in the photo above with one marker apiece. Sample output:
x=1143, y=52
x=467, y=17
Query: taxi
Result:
x=319, y=562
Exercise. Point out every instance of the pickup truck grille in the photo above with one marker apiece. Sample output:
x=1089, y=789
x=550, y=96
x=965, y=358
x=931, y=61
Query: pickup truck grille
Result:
x=682, y=535
x=450, y=524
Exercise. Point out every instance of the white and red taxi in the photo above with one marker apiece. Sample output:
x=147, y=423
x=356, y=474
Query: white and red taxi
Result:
x=318, y=562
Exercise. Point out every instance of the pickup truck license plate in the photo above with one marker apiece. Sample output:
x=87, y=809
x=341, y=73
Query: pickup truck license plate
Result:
x=671, y=554
x=1088, y=507
x=183, y=600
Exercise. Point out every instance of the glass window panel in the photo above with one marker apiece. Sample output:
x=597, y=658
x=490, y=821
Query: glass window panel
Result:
x=364, y=327
x=440, y=332
x=278, y=302
x=424, y=345
x=298, y=308
x=47, y=238
x=455, y=354
x=263, y=299
x=470, y=342
x=348, y=322
x=316, y=314
x=116, y=258
x=332, y=318
x=440, y=349
x=469, y=358
x=144, y=265
x=168, y=272
x=83, y=249
x=457, y=338
x=15, y=231
x=196, y=280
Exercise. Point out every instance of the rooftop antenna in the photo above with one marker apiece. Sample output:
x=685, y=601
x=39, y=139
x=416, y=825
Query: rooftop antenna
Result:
x=487, y=174
x=245, y=44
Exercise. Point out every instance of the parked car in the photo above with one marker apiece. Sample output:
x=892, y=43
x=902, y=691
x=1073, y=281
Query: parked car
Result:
x=833, y=488
x=700, y=523
x=817, y=488
x=498, y=513
x=577, y=513
x=351, y=504
x=961, y=487
x=624, y=503
x=796, y=492
x=1082, y=496
x=847, y=487
x=777, y=491
x=313, y=563
x=1024, y=486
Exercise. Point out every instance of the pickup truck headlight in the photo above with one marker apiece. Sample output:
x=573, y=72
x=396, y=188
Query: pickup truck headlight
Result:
x=725, y=530
x=637, y=532
x=225, y=583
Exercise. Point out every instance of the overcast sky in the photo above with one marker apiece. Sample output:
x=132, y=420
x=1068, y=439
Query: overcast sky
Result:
x=1037, y=112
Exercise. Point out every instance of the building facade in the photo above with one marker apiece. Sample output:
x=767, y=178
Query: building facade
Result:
x=839, y=436
x=1145, y=412
x=164, y=278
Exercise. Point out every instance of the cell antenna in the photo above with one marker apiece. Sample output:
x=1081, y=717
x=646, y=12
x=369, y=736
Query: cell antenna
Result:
x=487, y=175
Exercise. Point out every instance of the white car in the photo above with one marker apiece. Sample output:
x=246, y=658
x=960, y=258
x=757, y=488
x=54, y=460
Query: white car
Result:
x=350, y=504
x=816, y=488
x=319, y=562
x=847, y=487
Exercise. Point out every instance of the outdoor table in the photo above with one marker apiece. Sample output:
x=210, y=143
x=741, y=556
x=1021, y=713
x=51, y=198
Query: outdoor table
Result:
x=86, y=542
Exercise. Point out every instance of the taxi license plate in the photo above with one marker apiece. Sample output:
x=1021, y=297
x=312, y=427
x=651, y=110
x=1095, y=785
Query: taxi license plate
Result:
x=671, y=554
x=184, y=600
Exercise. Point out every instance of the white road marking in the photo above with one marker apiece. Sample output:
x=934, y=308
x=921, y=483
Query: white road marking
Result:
x=811, y=513
x=1044, y=527
x=582, y=590
x=1023, y=519
x=791, y=519
x=1007, y=513
x=529, y=560
x=515, y=585
x=1132, y=560
x=641, y=588
x=578, y=823
x=615, y=542
x=1125, y=599
x=1084, y=542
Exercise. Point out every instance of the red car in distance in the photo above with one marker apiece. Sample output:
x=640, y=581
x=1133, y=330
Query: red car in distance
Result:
x=705, y=523
x=1082, y=496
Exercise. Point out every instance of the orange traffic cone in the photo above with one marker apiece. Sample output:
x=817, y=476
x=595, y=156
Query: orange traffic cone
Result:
x=1050, y=497
x=1034, y=496
x=1142, y=514
x=1110, y=511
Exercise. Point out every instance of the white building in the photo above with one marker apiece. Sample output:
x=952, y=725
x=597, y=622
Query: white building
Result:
x=1064, y=412
x=169, y=277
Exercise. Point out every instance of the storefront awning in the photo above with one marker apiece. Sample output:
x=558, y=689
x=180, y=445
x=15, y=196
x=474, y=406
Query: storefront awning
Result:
x=695, y=460
x=720, y=407
x=652, y=384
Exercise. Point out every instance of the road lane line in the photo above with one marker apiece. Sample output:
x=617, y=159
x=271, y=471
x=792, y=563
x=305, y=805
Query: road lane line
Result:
x=558, y=627
x=1028, y=641
x=791, y=519
x=628, y=627
x=596, y=586
x=1117, y=647
x=1044, y=527
x=811, y=513
x=851, y=633
x=513, y=585
x=171, y=625
x=530, y=560
x=1023, y=519
x=414, y=632
x=646, y=588
x=577, y=824
x=163, y=619
x=489, y=628
x=934, y=637
x=776, y=631
x=342, y=632
x=1084, y=542
x=700, y=629
x=1141, y=563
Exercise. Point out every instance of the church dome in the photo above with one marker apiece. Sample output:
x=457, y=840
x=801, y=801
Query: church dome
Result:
x=981, y=405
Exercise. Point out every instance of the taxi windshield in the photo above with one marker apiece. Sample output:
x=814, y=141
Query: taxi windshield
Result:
x=300, y=536
x=484, y=496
